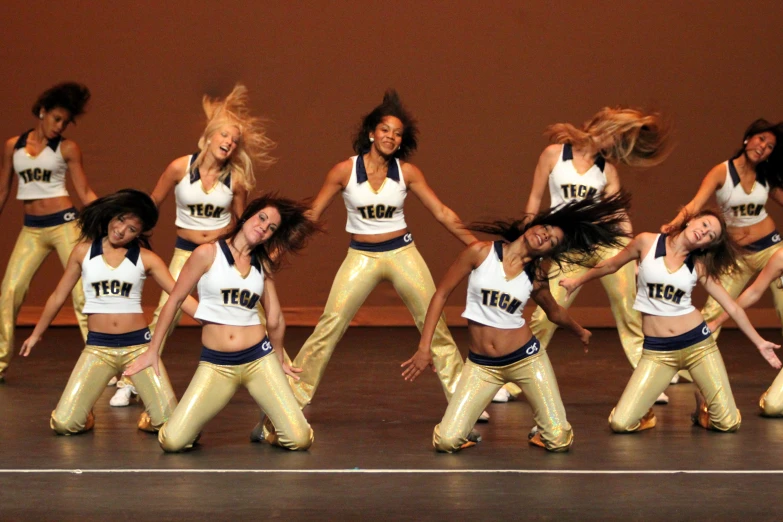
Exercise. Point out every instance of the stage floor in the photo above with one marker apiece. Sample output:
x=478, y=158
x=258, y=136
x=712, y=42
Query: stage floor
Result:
x=373, y=457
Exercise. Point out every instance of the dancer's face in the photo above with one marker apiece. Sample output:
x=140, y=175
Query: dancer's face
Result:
x=388, y=135
x=54, y=122
x=123, y=229
x=543, y=239
x=262, y=225
x=760, y=146
x=224, y=142
x=702, y=231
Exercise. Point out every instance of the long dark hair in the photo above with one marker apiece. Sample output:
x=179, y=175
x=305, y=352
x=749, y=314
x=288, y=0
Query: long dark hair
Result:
x=94, y=219
x=771, y=169
x=720, y=256
x=588, y=225
x=71, y=96
x=291, y=236
x=391, y=106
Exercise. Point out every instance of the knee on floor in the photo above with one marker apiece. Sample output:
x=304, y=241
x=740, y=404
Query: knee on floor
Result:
x=173, y=444
x=70, y=426
x=447, y=442
x=770, y=408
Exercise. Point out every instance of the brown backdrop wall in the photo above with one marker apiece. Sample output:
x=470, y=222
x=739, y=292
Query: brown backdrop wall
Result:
x=483, y=78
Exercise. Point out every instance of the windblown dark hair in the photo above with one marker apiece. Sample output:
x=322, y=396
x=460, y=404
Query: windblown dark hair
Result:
x=391, y=106
x=94, y=219
x=290, y=237
x=719, y=257
x=588, y=225
x=770, y=170
x=71, y=96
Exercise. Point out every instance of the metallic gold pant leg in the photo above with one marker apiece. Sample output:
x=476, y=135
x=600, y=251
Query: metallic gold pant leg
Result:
x=268, y=385
x=413, y=282
x=771, y=403
x=475, y=389
x=88, y=380
x=709, y=374
x=26, y=258
x=359, y=274
x=649, y=379
x=63, y=239
x=178, y=260
x=156, y=393
x=733, y=282
x=209, y=391
x=540, y=324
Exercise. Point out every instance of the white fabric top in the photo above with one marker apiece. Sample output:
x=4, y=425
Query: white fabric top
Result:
x=493, y=299
x=224, y=296
x=371, y=212
x=566, y=184
x=741, y=209
x=199, y=209
x=661, y=292
x=109, y=290
x=41, y=176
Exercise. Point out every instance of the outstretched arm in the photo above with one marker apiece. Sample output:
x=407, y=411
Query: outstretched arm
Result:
x=335, y=181
x=275, y=325
x=158, y=270
x=712, y=182
x=169, y=179
x=73, y=157
x=556, y=313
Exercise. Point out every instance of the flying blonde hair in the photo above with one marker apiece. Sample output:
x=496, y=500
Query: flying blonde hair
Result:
x=639, y=139
x=254, y=145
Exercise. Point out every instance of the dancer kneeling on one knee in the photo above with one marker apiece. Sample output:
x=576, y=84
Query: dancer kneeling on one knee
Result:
x=502, y=276
x=112, y=260
x=675, y=334
x=233, y=275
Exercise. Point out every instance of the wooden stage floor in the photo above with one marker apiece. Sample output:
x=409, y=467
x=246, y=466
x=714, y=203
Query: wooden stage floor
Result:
x=372, y=457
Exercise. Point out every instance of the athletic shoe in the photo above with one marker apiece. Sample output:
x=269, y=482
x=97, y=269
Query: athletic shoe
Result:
x=123, y=395
x=502, y=396
x=484, y=417
x=113, y=381
x=662, y=399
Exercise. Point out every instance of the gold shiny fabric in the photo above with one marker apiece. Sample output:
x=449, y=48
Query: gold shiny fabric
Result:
x=32, y=247
x=735, y=281
x=96, y=365
x=771, y=402
x=212, y=387
x=479, y=383
x=652, y=376
x=359, y=274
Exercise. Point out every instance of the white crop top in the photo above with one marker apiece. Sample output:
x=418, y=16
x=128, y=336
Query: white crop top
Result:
x=41, y=176
x=109, y=290
x=371, y=212
x=224, y=296
x=566, y=184
x=199, y=209
x=660, y=292
x=493, y=299
x=741, y=209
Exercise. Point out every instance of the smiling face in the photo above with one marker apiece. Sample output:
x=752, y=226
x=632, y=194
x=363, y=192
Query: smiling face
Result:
x=262, y=225
x=542, y=239
x=702, y=231
x=760, y=146
x=123, y=229
x=54, y=122
x=387, y=135
x=224, y=141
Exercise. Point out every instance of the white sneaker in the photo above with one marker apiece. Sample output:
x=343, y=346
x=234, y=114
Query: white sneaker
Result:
x=113, y=381
x=123, y=395
x=675, y=379
x=502, y=396
x=484, y=417
x=662, y=399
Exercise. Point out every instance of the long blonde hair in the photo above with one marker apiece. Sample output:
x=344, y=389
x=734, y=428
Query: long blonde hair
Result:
x=638, y=139
x=254, y=145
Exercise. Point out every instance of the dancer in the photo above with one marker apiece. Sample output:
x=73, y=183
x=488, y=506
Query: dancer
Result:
x=771, y=402
x=675, y=334
x=233, y=275
x=582, y=163
x=742, y=185
x=40, y=158
x=502, y=276
x=210, y=188
x=113, y=260
x=374, y=184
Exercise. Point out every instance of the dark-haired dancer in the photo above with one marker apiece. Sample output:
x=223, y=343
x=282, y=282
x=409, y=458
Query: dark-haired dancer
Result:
x=675, y=334
x=581, y=163
x=742, y=185
x=210, y=187
x=503, y=275
x=113, y=261
x=40, y=159
x=374, y=184
x=233, y=275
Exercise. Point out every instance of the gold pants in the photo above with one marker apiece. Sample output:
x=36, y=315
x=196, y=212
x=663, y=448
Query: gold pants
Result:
x=359, y=274
x=479, y=383
x=652, y=376
x=96, y=365
x=32, y=247
x=771, y=402
x=212, y=387
x=735, y=281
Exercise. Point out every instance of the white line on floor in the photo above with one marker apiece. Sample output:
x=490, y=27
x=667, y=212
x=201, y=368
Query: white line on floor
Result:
x=420, y=471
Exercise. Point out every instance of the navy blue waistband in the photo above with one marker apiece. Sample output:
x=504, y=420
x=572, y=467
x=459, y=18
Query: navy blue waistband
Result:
x=383, y=246
x=773, y=238
x=142, y=336
x=184, y=244
x=255, y=352
x=531, y=347
x=51, y=220
x=678, y=342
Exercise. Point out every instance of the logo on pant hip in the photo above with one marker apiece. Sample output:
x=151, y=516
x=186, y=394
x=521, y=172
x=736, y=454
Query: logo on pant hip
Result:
x=407, y=237
x=533, y=348
x=266, y=346
x=147, y=335
x=776, y=238
x=706, y=330
x=70, y=216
